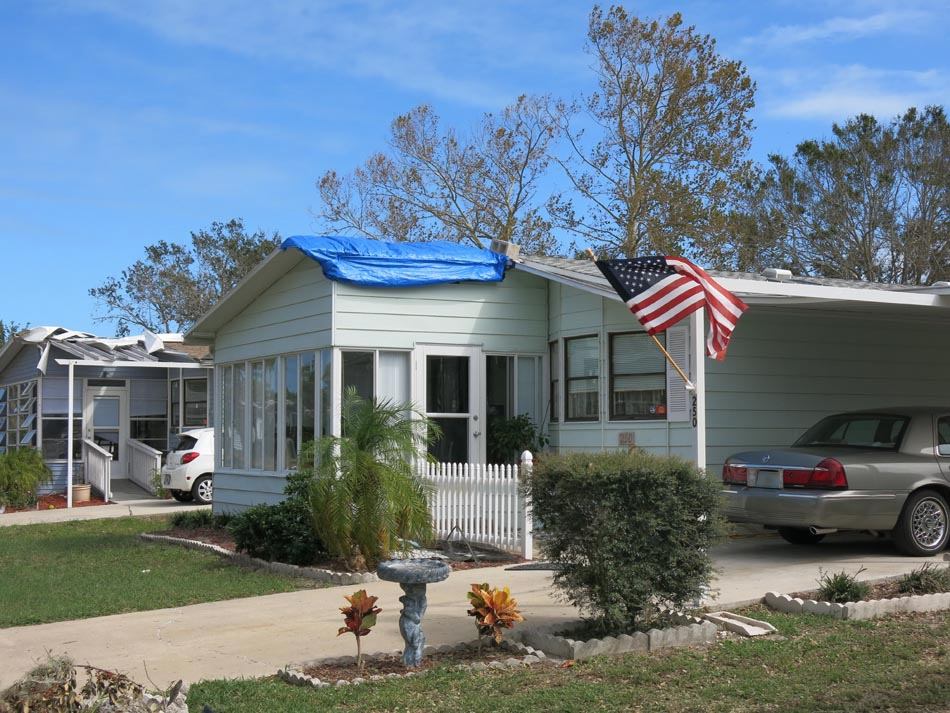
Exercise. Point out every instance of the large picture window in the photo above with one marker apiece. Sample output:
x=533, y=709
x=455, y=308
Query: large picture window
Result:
x=582, y=378
x=637, y=377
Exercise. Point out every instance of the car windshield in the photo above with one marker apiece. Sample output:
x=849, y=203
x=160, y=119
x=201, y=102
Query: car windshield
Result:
x=185, y=443
x=857, y=430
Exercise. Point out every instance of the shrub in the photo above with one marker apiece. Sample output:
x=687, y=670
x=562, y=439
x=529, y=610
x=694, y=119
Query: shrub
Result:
x=508, y=438
x=22, y=471
x=194, y=519
x=629, y=532
x=841, y=587
x=494, y=610
x=278, y=533
x=366, y=498
x=927, y=579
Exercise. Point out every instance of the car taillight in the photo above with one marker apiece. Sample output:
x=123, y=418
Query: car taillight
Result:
x=188, y=457
x=827, y=474
x=735, y=474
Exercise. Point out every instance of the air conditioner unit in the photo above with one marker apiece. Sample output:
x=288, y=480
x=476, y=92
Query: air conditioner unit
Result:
x=509, y=250
x=777, y=273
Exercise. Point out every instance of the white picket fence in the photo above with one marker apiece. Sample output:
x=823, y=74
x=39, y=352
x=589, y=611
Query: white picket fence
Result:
x=483, y=501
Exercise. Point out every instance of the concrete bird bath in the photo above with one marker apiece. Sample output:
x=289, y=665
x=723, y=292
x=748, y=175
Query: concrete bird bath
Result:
x=413, y=575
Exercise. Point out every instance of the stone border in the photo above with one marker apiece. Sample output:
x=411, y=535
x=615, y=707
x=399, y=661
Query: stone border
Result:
x=690, y=632
x=528, y=657
x=855, y=611
x=288, y=570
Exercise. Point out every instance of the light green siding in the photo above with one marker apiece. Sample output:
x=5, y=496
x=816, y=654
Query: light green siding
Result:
x=573, y=312
x=293, y=314
x=787, y=369
x=507, y=316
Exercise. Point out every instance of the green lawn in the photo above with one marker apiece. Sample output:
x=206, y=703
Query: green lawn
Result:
x=818, y=665
x=75, y=570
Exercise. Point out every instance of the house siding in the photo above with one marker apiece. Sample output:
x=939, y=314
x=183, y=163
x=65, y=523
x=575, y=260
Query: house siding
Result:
x=293, y=314
x=507, y=316
x=787, y=369
x=573, y=313
x=22, y=367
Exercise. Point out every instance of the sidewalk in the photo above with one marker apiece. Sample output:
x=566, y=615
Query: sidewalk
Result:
x=257, y=636
x=127, y=499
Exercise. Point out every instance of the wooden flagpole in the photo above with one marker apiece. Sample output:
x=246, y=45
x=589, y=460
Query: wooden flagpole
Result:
x=689, y=384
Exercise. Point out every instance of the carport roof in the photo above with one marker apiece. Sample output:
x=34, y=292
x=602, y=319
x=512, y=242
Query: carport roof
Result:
x=755, y=289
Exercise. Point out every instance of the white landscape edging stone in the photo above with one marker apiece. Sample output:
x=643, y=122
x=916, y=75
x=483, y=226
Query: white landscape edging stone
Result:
x=287, y=570
x=855, y=611
x=690, y=632
x=526, y=656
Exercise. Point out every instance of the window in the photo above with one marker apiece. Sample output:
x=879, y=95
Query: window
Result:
x=18, y=415
x=272, y=404
x=193, y=413
x=148, y=413
x=582, y=378
x=637, y=378
x=358, y=373
x=555, y=388
x=55, y=393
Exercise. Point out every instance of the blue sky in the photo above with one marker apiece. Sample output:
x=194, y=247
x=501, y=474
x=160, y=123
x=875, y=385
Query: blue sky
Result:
x=125, y=123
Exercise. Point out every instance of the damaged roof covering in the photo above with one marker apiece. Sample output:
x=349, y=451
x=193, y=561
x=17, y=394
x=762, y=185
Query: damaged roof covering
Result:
x=146, y=347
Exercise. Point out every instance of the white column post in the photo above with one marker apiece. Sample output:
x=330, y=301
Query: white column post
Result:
x=698, y=407
x=527, y=538
x=69, y=439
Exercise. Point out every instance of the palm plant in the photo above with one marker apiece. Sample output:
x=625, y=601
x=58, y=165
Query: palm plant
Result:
x=366, y=498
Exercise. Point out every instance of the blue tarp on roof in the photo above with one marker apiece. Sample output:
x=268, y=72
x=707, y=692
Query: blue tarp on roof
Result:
x=374, y=263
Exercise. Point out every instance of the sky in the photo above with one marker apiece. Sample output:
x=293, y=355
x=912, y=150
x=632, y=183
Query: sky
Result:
x=126, y=123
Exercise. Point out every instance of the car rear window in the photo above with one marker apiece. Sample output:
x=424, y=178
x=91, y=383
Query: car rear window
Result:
x=863, y=430
x=185, y=443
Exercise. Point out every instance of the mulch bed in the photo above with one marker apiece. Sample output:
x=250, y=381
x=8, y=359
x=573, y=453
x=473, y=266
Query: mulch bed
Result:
x=222, y=538
x=882, y=590
x=56, y=501
x=392, y=663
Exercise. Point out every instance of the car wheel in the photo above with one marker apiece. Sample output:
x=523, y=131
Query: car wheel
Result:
x=923, y=525
x=182, y=496
x=202, y=490
x=799, y=536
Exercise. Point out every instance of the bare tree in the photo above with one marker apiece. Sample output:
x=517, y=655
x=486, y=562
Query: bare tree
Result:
x=437, y=185
x=872, y=203
x=659, y=151
x=175, y=284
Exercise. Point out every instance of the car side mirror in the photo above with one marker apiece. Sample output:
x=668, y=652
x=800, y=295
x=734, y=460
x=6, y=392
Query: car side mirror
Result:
x=944, y=449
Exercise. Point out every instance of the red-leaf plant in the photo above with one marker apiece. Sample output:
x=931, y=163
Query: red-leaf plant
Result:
x=359, y=618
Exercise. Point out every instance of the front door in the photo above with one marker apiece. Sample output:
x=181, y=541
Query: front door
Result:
x=452, y=398
x=106, y=415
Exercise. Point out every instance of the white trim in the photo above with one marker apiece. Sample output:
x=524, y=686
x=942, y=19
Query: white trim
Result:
x=697, y=328
x=132, y=364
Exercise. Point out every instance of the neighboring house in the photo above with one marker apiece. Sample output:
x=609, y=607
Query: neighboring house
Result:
x=129, y=397
x=551, y=339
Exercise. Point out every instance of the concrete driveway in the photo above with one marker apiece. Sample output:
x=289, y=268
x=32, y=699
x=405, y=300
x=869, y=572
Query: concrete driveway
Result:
x=257, y=636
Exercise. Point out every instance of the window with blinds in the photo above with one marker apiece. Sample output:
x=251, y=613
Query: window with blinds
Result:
x=582, y=378
x=637, y=377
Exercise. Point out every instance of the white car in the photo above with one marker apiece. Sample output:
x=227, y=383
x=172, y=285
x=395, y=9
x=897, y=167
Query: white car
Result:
x=189, y=467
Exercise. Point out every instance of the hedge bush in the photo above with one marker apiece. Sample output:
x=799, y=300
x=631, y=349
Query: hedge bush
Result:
x=22, y=472
x=629, y=533
x=278, y=533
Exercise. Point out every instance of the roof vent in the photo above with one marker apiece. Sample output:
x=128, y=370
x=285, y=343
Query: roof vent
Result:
x=509, y=250
x=777, y=273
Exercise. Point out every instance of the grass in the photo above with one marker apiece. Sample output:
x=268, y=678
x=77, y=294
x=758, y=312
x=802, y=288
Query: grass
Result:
x=75, y=570
x=816, y=664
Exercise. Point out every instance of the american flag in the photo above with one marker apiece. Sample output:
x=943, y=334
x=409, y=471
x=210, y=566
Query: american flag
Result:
x=660, y=291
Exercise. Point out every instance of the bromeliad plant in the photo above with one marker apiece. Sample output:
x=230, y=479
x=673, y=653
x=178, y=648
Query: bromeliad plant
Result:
x=359, y=618
x=493, y=609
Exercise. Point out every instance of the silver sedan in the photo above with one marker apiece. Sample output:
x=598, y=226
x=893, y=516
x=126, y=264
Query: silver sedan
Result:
x=885, y=471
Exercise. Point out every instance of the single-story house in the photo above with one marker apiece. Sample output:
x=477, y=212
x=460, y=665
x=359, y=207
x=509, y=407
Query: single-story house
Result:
x=547, y=337
x=87, y=401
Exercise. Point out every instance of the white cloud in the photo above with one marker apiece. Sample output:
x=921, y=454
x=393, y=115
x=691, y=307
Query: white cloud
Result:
x=455, y=50
x=838, y=92
x=841, y=28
